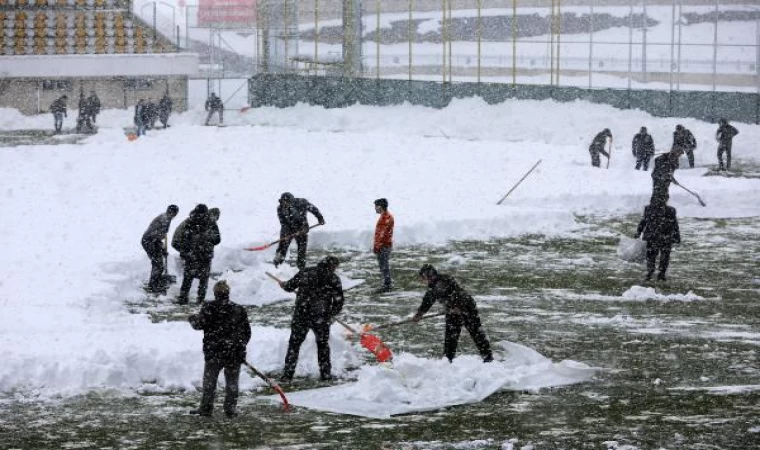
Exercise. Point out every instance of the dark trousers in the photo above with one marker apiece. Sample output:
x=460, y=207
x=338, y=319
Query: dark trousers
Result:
x=282, y=250
x=642, y=161
x=471, y=321
x=84, y=121
x=210, y=376
x=595, y=161
x=195, y=269
x=724, y=148
x=58, y=121
x=164, y=118
x=299, y=328
x=155, y=251
x=211, y=113
x=383, y=260
x=690, y=157
x=654, y=249
x=140, y=125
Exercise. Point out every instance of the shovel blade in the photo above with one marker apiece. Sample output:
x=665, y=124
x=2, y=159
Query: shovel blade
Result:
x=376, y=347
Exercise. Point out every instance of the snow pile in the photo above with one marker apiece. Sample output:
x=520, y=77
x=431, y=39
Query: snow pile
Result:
x=135, y=355
x=413, y=384
x=648, y=293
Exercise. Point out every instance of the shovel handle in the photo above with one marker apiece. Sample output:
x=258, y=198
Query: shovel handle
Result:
x=290, y=236
x=347, y=326
x=271, y=383
x=402, y=322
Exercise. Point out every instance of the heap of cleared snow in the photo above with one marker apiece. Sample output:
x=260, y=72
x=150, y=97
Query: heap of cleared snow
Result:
x=411, y=384
x=138, y=356
x=648, y=293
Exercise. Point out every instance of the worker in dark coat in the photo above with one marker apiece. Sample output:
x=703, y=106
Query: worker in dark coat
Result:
x=93, y=106
x=725, y=136
x=659, y=228
x=685, y=141
x=665, y=166
x=150, y=114
x=214, y=104
x=319, y=298
x=226, y=332
x=154, y=243
x=293, y=224
x=197, y=242
x=139, y=118
x=597, y=146
x=643, y=149
x=58, y=108
x=165, y=109
x=460, y=311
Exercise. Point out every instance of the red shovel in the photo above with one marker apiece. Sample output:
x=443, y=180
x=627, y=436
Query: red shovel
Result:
x=266, y=246
x=371, y=343
x=272, y=383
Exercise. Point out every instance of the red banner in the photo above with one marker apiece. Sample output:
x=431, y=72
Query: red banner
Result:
x=226, y=13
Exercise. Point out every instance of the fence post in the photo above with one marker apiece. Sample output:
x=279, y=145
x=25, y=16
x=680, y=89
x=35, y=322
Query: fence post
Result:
x=411, y=8
x=591, y=44
x=514, y=43
x=480, y=35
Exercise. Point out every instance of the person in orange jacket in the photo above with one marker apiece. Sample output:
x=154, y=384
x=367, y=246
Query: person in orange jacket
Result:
x=383, y=243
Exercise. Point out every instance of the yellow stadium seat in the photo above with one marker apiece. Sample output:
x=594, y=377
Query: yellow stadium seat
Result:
x=100, y=44
x=80, y=45
x=139, y=40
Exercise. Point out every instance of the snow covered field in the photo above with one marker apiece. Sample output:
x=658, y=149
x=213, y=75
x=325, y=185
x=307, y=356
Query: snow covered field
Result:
x=75, y=320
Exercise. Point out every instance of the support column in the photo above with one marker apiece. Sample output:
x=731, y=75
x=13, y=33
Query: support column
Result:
x=352, y=38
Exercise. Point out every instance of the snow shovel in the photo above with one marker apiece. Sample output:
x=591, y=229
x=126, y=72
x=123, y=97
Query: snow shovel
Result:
x=518, y=183
x=368, y=327
x=699, y=199
x=371, y=343
x=272, y=384
x=266, y=246
x=609, y=152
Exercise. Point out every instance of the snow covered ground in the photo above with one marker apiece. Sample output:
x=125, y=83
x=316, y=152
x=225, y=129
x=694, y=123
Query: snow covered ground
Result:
x=74, y=215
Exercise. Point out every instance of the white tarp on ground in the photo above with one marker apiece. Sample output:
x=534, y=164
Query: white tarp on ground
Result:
x=413, y=384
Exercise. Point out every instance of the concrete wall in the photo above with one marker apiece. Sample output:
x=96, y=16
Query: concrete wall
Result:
x=337, y=92
x=28, y=96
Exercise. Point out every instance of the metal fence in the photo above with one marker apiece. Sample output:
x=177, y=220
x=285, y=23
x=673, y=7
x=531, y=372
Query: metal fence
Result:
x=633, y=44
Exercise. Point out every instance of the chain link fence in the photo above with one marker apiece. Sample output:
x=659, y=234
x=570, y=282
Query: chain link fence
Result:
x=703, y=45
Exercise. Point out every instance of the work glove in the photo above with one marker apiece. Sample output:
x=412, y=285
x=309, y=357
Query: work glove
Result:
x=165, y=252
x=321, y=222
